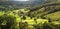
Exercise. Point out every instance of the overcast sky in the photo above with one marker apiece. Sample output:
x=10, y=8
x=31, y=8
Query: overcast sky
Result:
x=22, y=0
x=18, y=0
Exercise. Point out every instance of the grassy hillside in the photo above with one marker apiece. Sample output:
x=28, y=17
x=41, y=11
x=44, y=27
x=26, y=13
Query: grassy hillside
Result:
x=44, y=10
x=46, y=16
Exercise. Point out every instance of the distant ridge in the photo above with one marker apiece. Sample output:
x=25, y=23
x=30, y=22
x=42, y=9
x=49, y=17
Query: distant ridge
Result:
x=20, y=2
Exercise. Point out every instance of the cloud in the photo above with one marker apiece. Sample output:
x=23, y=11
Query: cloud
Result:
x=4, y=0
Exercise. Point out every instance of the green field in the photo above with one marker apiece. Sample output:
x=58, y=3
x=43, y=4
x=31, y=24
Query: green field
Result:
x=44, y=16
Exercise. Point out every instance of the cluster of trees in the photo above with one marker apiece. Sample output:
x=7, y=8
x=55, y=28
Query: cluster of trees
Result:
x=8, y=7
x=45, y=25
x=7, y=22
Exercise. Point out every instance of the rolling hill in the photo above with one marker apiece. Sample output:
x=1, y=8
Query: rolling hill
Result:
x=46, y=11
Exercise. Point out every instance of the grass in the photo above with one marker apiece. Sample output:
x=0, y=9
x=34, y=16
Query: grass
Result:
x=30, y=21
x=54, y=16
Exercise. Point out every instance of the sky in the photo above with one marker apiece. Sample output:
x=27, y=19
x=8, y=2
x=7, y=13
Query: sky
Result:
x=17, y=0
x=21, y=0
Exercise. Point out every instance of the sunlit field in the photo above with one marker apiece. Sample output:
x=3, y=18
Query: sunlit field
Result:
x=30, y=16
x=28, y=19
x=18, y=18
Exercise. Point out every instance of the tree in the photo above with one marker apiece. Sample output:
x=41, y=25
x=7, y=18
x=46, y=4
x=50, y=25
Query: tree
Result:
x=23, y=25
x=49, y=20
x=9, y=21
x=35, y=21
